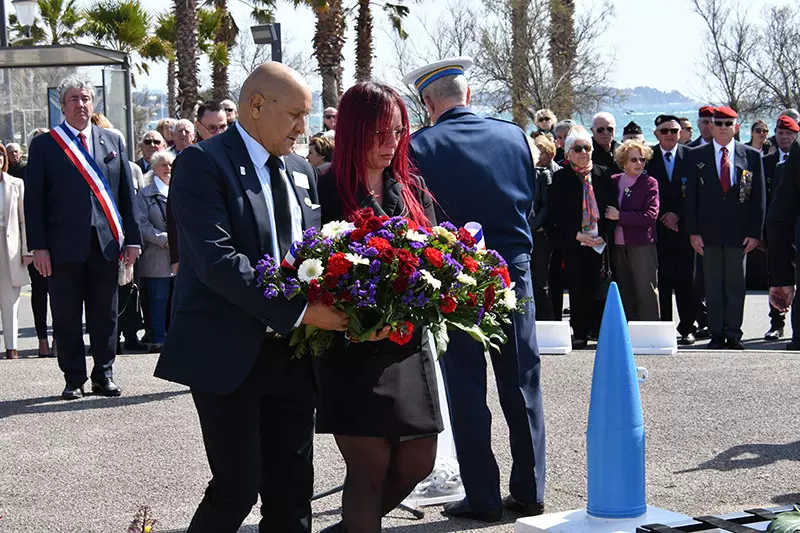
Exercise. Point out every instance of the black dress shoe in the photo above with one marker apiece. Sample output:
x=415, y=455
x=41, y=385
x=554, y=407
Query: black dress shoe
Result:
x=523, y=508
x=106, y=388
x=72, y=394
x=135, y=346
x=793, y=345
x=686, y=340
x=735, y=344
x=716, y=343
x=579, y=344
x=462, y=509
x=773, y=334
x=702, y=333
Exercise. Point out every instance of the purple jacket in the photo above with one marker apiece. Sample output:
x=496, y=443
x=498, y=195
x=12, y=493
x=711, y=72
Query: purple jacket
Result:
x=638, y=211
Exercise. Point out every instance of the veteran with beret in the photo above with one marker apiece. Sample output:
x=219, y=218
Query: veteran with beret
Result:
x=481, y=170
x=725, y=203
x=632, y=132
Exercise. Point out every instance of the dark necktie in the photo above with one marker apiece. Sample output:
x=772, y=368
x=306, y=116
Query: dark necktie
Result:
x=668, y=155
x=725, y=171
x=82, y=138
x=785, y=157
x=280, y=202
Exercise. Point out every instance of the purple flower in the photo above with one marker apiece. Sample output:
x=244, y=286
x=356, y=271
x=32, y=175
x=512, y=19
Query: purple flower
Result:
x=374, y=267
x=290, y=287
x=384, y=234
x=452, y=263
x=499, y=258
x=481, y=312
x=448, y=226
x=414, y=245
x=271, y=291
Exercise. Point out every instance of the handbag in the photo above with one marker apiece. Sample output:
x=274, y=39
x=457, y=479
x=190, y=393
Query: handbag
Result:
x=605, y=275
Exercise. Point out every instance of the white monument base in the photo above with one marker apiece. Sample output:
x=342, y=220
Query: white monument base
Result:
x=653, y=338
x=578, y=521
x=553, y=337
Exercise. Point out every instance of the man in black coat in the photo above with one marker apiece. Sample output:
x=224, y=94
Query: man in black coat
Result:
x=152, y=142
x=15, y=165
x=79, y=211
x=725, y=200
x=705, y=116
x=604, y=125
x=226, y=341
x=669, y=165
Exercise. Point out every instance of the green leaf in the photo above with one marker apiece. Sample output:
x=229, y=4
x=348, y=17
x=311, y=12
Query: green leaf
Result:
x=440, y=337
x=786, y=522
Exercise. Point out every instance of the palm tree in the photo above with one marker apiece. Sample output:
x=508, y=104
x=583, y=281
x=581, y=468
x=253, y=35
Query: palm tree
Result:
x=185, y=53
x=520, y=101
x=364, y=46
x=224, y=38
x=57, y=25
x=563, y=52
x=328, y=44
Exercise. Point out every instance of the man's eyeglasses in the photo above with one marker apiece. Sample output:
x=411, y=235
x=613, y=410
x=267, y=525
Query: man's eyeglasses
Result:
x=760, y=130
x=603, y=129
x=229, y=110
x=578, y=148
x=673, y=131
x=151, y=141
x=723, y=123
x=330, y=116
x=688, y=128
x=215, y=129
x=385, y=135
x=637, y=160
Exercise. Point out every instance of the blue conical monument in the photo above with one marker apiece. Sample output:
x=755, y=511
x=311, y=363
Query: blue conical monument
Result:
x=615, y=433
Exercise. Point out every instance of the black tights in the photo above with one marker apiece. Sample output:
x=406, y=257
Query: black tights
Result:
x=380, y=474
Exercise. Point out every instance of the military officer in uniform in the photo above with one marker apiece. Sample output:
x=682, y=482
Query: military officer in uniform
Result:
x=481, y=170
x=725, y=202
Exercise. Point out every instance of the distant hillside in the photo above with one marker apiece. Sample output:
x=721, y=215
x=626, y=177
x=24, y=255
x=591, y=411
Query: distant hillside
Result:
x=647, y=97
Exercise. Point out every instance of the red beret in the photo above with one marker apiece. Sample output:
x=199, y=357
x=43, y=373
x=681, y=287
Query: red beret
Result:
x=706, y=111
x=788, y=123
x=725, y=112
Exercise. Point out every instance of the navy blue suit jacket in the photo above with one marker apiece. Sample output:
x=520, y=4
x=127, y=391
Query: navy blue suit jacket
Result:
x=671, y=193
x=723, y=219
x=480, y=170
x=59, y=203
x=219, y=314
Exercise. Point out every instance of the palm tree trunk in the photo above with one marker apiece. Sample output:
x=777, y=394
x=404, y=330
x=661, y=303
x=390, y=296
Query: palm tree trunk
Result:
x=562, y=54
x=364, y=41
x=219, y=73
x=185, y=51
x=172, y=90
x=328, y=44
x=519, y=63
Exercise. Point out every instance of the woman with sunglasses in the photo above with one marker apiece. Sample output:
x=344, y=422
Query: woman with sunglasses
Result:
x=579, y=196
x=759, y=137
x=378, y=399
x=634, y=254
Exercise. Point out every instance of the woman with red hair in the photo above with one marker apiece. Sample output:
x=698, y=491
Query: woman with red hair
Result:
x=377, y=398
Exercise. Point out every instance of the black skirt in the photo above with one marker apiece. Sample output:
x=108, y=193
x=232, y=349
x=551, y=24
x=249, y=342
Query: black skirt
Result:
x=379, y=389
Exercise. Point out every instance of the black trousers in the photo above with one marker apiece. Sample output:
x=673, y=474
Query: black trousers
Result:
x=583, y=267
x=699, y=289
x=92, y=284
x=557, y=284
x=130, y=317
x=725, y=290
x=540, y=271
x=258, y=440
x=676, y=274
x=38, y=302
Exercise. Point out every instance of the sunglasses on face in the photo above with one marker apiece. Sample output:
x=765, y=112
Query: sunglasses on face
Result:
x=723, y=123
x=579, y=148
x=673, y=131
x=151, y=141
x=330, y=116
x=229, y=110
x=760, y=130
x=602, y=129
x=636, y=159
x=544, y=119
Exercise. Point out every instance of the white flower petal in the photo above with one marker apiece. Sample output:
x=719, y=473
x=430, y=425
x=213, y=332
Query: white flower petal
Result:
x=356, y=259
x=310, y=269
x=336, y=228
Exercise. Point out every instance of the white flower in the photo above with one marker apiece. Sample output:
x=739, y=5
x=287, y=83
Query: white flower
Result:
x=466, y=280
x=335, y=228
x=445, y=233
x=356, y=259
x=429, y=279
x=508, y=298
x=416, y=236
x=310, y=269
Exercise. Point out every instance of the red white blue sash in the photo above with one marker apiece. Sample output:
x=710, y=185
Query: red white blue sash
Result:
x=91, y=172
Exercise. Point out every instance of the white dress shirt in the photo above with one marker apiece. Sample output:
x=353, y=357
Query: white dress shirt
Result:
x=163, y=188
x=87, y=132
x=731, y=157
x=259, y=155
x=782, y=156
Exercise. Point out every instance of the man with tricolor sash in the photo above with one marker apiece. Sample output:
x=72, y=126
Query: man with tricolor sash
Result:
x=79, y=210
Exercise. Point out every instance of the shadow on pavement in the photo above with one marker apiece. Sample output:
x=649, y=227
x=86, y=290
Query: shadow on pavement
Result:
x=746, y=456
x=54, y=404
x=787, y=499
x=452, y=524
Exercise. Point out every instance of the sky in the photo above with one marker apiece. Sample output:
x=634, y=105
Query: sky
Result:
x=655, y=43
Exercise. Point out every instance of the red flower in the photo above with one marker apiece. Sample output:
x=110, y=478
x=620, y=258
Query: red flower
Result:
x=472, y=299
x=338, y=264
x=466, y=237
x=327, y=299
x=331, y=280
x=433, y=256
x=407, y=257
x=379, y=244
x=358, y=234
x=314, y=290
x=488, y=297
x=470, y=265
x=383, y=218
x=503, y=273
x=374, y=224
x=406, y=269
x=411, y=224
x=361, y=216
x=447, y=304
x=402, y=333
x=387, y=256
x=400, y=284
x=345, y=296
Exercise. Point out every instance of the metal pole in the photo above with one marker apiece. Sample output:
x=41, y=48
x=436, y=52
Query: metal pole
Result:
x=4, y=37
x=126, y=66
x=277, y=52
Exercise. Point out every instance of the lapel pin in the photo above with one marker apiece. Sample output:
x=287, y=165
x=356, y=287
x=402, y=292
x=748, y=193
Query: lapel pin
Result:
x=102, y=142
x=242, y=171
x=701, y=165
x=307, y=201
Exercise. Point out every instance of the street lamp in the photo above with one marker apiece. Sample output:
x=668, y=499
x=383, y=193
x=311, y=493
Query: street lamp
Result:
x=263, y=34
x=26, y=14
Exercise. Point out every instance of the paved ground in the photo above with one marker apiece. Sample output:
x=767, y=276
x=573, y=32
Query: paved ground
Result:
x=721, y=436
